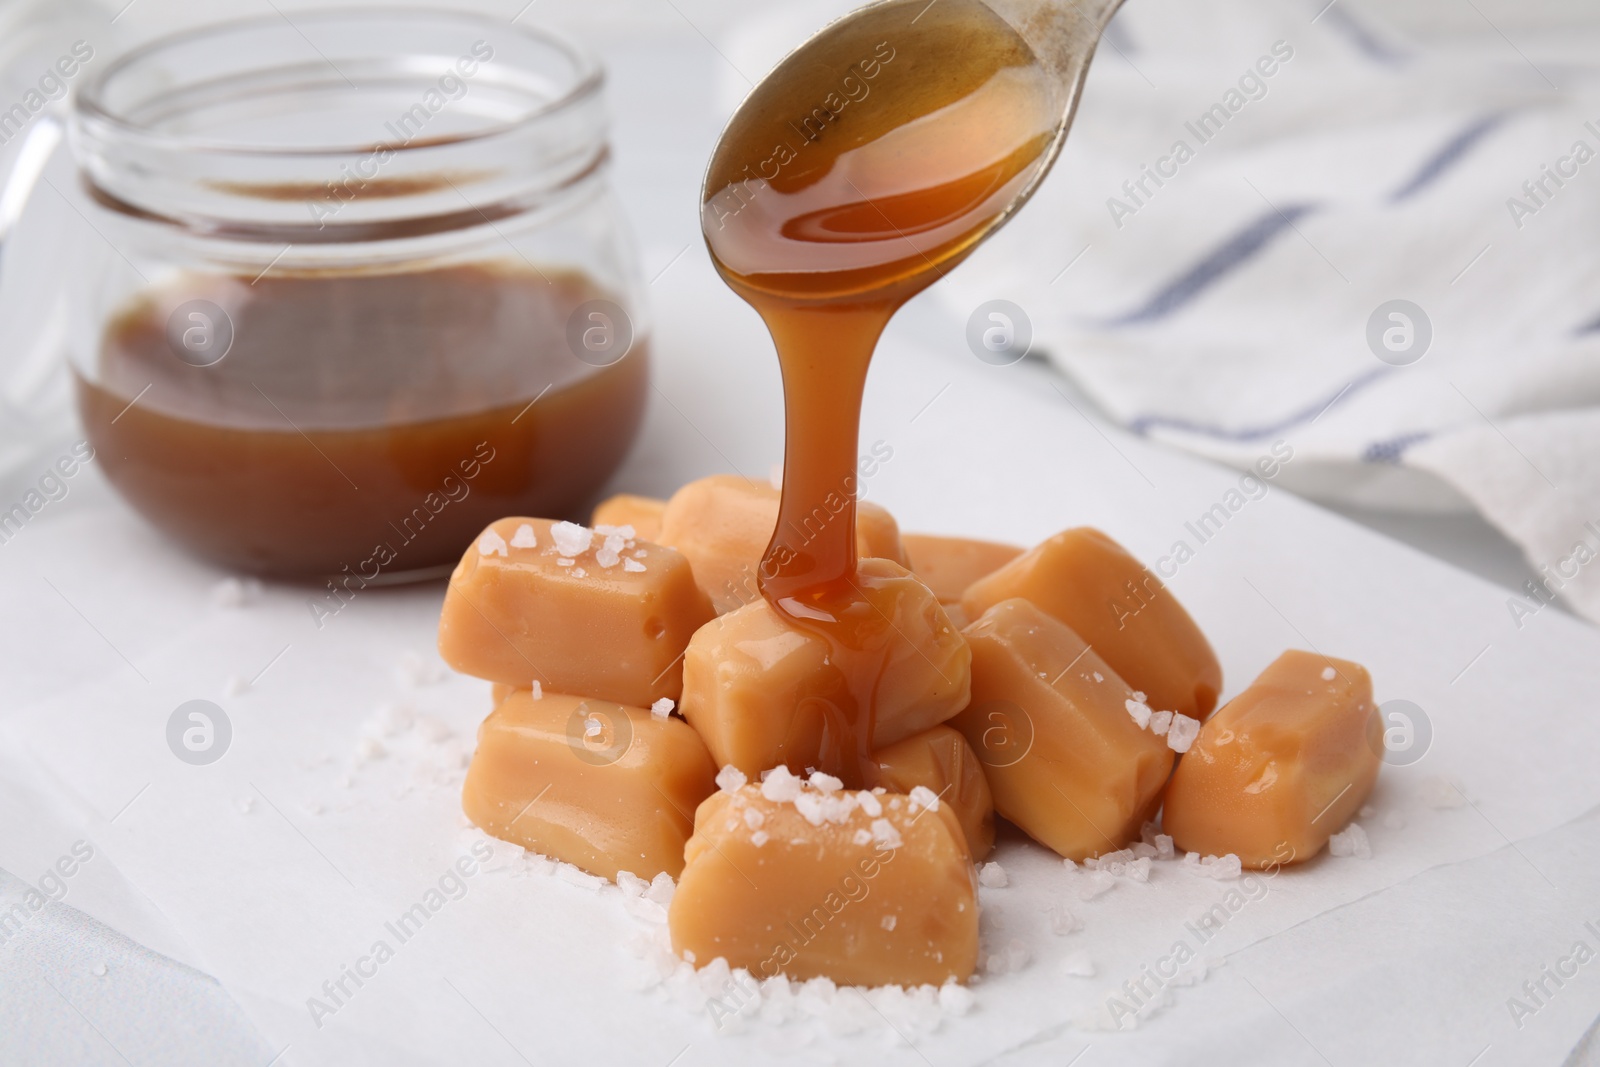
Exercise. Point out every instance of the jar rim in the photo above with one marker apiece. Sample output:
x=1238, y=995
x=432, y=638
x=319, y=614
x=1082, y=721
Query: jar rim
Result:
x=89, y=103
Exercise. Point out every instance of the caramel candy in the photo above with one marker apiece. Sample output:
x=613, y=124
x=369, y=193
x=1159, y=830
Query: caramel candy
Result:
x=863, y=888
x=1058, y=733
x=941, y=761
x=724, y=523
x=498, y=693
x=1282, y=767
x=763, y=691
x=535, y=600
x=949, y=565
x=1091, y=583
x=604, y=787
x=643, y=513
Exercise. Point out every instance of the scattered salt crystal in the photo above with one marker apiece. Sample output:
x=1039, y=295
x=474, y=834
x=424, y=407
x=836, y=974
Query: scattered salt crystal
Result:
x=579, y=572
x=1063, y=921
x=571, y=539
x=1328, y=674
x=923, y=797
x=1351, y=841
x=1144, y=851
x=1183, y=732
x=1139, y=695
x=633, y=566
x=563, y=561
x=862, y=837
x=1438, y=792
x=537, y=690
x=491, y=544
x=730, y=779
x=417, y=670
x=524, y=537
x=592, y=727
x=955, y=998
x=1008, y=960
x=869, y=804
x=887, y=922
x=661, y=888
x=1139, y=710
x=758, y=838
x=1222, y=868
x=993, y=876
x=1160, y=723
x=1099, y=677
x=753, y=818
x=780, y=786
x=99, y=970
x=884, y=833
x=234, y=685
x=607, y=558
x=627, y=533
x=1078, y=964
x=662, y=708
x=825, y=782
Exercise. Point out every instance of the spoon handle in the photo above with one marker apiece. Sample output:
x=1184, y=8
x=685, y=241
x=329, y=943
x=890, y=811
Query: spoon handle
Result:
x=1062, y=33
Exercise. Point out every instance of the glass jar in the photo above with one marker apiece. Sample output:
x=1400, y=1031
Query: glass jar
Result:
x=357, y=287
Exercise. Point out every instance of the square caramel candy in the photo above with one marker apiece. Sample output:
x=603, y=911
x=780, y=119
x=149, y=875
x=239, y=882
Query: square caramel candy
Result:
x=1060, y=734
x=597, y=615
x=949, y=565
x=865, y=888
x=764, y=691
x=724, y=523
x=1282, y=767
x=599, y=785
x=1108, y=598
x=642, y=513
x=940, y=761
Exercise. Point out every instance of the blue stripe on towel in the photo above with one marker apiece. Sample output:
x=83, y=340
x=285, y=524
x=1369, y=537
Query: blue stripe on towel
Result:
x=1226, y=258
x=1394, y=449
x=1448, y=155
x=1367, y=43
x=1145, y=423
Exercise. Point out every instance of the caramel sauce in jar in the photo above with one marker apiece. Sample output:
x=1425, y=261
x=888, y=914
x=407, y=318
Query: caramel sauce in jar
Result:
x=359, y=423
x=865, y=167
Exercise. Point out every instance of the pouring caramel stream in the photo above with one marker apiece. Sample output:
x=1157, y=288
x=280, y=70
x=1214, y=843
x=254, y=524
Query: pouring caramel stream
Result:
x=865, y=167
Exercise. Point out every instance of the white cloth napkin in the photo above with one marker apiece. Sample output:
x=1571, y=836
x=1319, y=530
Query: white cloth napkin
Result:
x=1229, y=304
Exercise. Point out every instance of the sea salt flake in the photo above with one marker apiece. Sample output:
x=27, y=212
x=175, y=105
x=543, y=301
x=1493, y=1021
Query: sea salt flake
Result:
x=753, y=818
x=571, y=539
x=862, y=837
x=491, y=544
x=1328, y=674
x=592, y=727
x=780, y=786
x=730, y=779
x=869, y=804
x=563, y=561
x=1222, y=868
x=662, y=708
x=993, y=876
x=1099, y=677
x=1183, y=732
x=633, y=566
x=887, y=922
x=1078, y=964
x=1063, y=921
x=1094, y=883
x=579, y=572
x=825, y=782
x=1139, y=711
x=1160, y=723
x=759, y=838
x=884, y=833
x=1352, y=842
x=923, y=797
x=524, y=537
